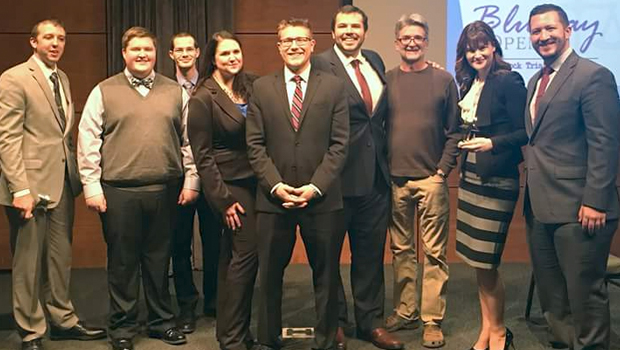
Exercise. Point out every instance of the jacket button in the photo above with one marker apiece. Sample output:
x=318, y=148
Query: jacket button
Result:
x=63, y=160
x=368, y=144
x=297, y=143
x=294, y=167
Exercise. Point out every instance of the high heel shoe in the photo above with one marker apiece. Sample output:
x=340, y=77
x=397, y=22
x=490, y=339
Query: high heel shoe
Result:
x=509, y=340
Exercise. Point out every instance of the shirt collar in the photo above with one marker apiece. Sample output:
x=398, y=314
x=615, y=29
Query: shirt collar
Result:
x=557, y=64
x=129, y=75
x=181, y=79
x=288, y=74
x=47, y=71
x=346, y=60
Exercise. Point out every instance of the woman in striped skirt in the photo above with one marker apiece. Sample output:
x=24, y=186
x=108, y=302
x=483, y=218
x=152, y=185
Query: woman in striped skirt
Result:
x=492, y=112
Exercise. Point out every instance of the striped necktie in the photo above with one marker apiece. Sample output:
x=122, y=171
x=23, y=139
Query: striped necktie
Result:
x=298, y=98
x=58, y=98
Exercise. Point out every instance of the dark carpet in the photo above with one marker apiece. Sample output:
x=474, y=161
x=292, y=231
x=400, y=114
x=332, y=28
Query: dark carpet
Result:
x=460, y=325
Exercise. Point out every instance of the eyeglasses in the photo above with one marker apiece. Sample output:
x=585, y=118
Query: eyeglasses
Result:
x=181, y=50
x=406, y=40
x=288, y=42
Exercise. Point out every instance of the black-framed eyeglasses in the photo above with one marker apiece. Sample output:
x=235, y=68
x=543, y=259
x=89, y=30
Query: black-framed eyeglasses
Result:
x=288, y=42
x=406, y=40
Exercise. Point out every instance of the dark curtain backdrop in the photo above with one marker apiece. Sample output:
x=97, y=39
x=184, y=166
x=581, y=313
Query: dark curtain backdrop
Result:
x=164, y=18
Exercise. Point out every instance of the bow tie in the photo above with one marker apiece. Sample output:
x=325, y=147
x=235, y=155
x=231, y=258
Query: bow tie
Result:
x=146, y=82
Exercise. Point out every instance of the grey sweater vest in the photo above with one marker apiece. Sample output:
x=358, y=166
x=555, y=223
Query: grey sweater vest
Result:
x=141, y=135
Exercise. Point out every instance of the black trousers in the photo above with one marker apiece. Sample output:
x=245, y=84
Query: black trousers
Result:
x=137, y=228
x=237, y=272
x=365, y=219
x=210, y=227
x=322, y=238
x=569, y=268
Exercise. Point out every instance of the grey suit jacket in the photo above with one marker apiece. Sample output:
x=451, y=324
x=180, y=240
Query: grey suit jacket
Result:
x=314, y=154
x=34, y=150
x=572, y=154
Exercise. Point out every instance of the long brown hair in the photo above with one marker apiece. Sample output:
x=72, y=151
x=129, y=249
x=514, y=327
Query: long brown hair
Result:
x=473, y=36
x=242, y=84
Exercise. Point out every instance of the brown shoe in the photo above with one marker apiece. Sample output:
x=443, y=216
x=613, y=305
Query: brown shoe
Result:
x=382, y=339
x=395, y=322
x=341, y=340
x=432, y=336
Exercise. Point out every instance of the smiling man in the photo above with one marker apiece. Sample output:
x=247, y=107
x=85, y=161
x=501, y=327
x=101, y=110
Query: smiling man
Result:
x=571, y=201
x=133, y=152
x=423, y=133
x=297, y=134
x=38, y=184
x=365, y=178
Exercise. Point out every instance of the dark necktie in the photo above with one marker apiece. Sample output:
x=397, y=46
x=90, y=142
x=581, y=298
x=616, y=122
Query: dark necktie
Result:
x=298, y=98
x=146, y=82
x=363, y=86
x=544, y=81
x=58, y=98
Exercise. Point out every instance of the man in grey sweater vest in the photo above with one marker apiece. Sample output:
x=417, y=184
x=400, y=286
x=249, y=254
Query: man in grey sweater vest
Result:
x=132, y=153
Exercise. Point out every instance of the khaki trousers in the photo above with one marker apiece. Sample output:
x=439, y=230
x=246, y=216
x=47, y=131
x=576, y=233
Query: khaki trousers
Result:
x=41, y=248
x=431, y=200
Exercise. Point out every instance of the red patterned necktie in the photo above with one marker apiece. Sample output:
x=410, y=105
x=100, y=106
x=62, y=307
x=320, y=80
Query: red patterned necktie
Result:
x=298, y=98
x=363, y=85
x=544, y=81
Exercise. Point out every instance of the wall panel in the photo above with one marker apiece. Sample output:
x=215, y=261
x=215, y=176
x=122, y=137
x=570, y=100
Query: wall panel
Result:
x=263, y=16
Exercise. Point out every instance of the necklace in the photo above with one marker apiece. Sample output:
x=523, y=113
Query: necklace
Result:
x=236, y=99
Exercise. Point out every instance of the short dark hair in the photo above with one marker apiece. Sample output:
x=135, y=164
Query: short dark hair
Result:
x=346, y=9
x=137, y=32
x=182, y=35
x=53, y=21
x=294, y=22
x=544, y=8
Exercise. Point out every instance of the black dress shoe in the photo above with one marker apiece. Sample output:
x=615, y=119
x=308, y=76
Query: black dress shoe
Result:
x=34, y=344
x=77, y=332
x=210, y=312
x=122, y=344
x=171, y=336
x=187, y=325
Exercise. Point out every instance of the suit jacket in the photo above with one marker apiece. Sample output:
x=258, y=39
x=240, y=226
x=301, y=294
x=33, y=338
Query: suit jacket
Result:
x=500, y=118
x=314, y=154
x=572, y=154
x=216, y=130
x=34, y=151
x=367, y=136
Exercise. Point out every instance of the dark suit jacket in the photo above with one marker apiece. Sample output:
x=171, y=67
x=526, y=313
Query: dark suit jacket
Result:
x=500, y=118
x=216, y=130
x=34, y=150
x=314, y=154
x=367, y=135
x=572, y=154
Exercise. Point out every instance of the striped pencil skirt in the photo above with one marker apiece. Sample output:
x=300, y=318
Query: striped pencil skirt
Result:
x=484, y=213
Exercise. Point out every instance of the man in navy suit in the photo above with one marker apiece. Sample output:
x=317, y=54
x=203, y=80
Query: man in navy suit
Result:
x=365, y=178
x=571, y=202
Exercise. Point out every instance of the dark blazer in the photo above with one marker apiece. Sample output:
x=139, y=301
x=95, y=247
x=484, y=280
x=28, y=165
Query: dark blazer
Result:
x=500, y=118
x=216, y=130
x=314, y=154
x=367, y=135
x=572, y=154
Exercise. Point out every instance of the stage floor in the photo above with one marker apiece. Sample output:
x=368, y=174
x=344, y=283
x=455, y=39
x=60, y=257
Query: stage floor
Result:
x=460, y=325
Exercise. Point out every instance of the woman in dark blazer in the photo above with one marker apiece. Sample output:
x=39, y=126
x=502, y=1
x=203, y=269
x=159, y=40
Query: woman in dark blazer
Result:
x=216, y=129
x=493, y=103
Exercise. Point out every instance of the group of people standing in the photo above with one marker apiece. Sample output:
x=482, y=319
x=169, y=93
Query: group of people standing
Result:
x=331, y=144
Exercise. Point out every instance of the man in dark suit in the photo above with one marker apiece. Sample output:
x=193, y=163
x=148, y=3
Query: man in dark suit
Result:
x=297, y=134
x=571, y=202
x=184, y=52
x=38, y=184
x=365, y=178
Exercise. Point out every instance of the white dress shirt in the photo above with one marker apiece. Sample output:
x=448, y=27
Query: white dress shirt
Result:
x=90, y=141
x=372, y=78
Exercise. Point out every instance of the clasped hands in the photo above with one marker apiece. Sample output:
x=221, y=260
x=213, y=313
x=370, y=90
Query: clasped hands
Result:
x=295, y=198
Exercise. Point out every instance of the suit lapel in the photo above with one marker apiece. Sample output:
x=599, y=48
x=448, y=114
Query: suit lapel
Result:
x=531, y=87
x=565, y=71
x=224, y=102
x=69, y=112
x=340, y=71
x=314, y=81
x=37, y=74
x=280, y=88
x=483, y=111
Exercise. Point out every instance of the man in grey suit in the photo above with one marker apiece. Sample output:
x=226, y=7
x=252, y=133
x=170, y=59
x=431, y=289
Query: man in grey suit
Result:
x=571, y=202
x=38, y=184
